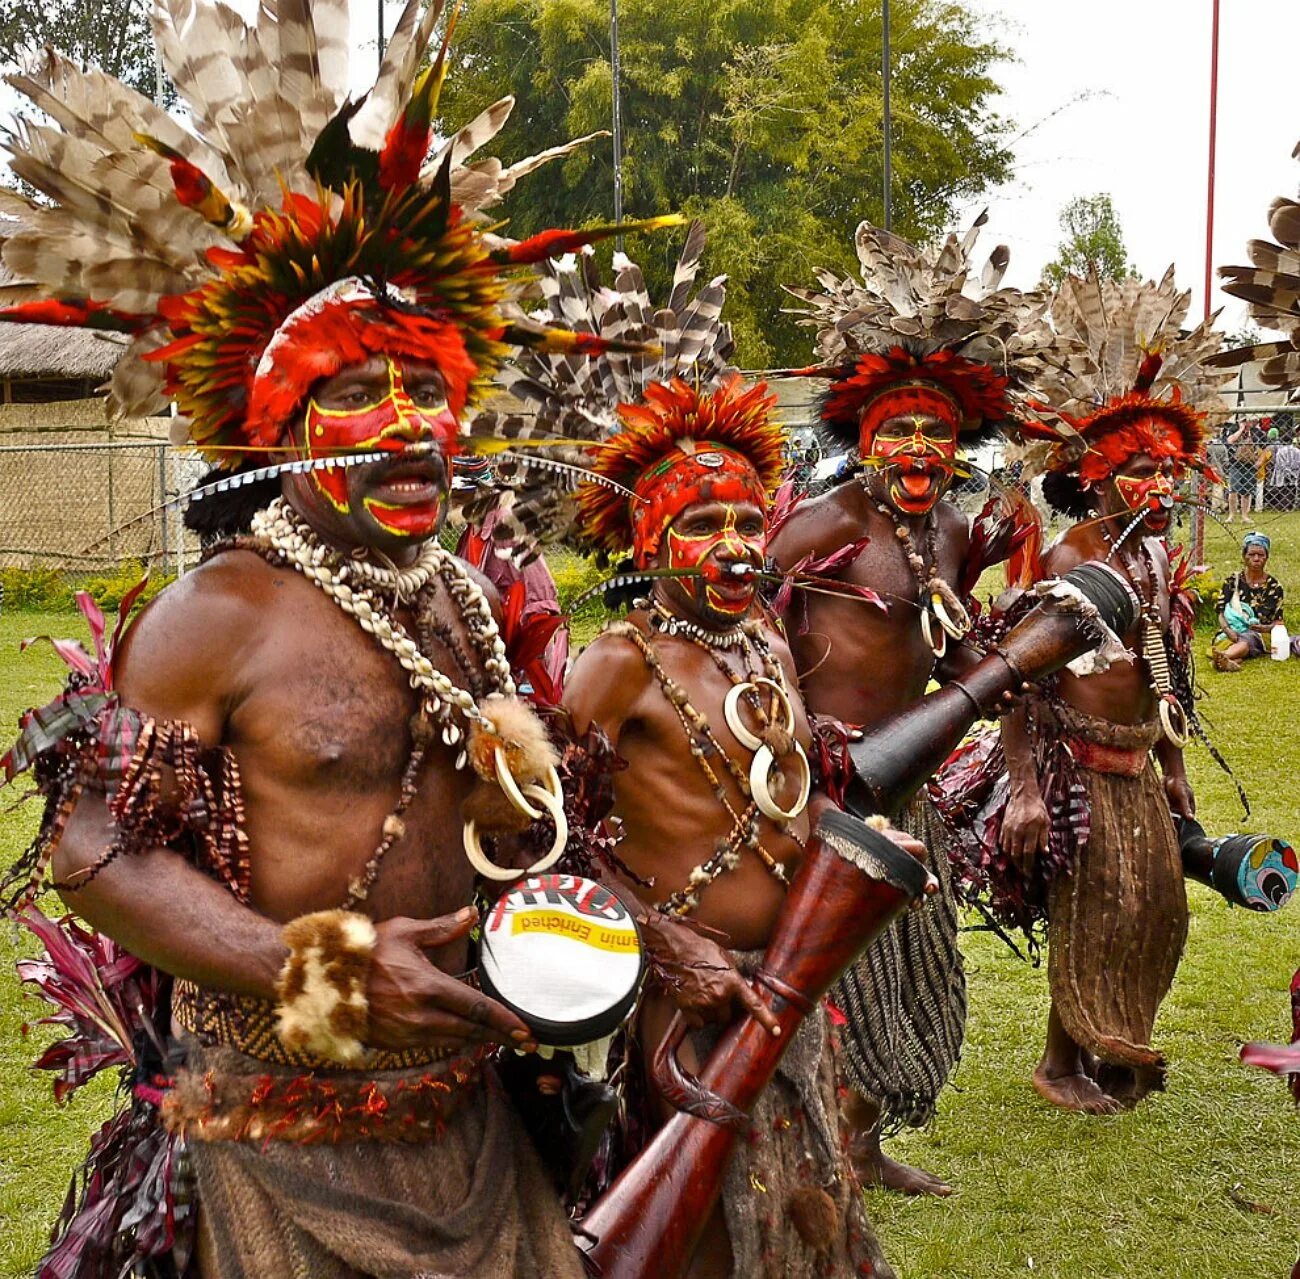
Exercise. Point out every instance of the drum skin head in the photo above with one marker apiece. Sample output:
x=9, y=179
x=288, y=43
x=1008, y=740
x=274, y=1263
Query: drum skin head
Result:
x=564, y=954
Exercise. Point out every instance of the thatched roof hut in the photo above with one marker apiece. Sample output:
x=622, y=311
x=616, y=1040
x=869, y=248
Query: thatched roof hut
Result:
x=44, y=362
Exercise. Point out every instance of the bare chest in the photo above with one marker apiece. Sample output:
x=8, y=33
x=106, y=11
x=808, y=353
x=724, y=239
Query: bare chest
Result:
x=860, y=661
x=329, y=708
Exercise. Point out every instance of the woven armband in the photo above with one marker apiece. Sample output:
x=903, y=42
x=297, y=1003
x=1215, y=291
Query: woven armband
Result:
x=322, y=986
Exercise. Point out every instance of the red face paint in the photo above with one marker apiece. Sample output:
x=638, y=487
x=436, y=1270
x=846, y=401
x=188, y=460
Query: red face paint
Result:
x=716, y=590
x=1152, y=493
x=918, y=457
x=389, y=425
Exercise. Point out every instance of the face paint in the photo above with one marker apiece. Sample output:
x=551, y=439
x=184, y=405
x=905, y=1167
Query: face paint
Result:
x=392, y=423
x=1152, y=493
x=716, y=590
x=919, y=465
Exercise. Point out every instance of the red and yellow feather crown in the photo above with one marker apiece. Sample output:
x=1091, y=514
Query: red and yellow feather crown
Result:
x=293, y=233
x=681, y=444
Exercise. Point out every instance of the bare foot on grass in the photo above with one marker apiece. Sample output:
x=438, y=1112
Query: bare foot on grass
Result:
x=861, y=1117
x=1129, y=1085
x=889, y=1174
x=1075, y=1092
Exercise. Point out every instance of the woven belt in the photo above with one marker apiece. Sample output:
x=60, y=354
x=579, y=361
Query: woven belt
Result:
x=1120, y=761
x=208, y=1103
x=248, y=1025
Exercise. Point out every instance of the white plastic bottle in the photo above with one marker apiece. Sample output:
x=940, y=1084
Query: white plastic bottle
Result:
x=1281, y=642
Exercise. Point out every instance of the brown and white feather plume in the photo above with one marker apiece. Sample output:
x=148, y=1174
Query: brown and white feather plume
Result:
x=926, y=299
x=1107, y=333
x=1271, y=288
x=112, y=240
x=575, y=399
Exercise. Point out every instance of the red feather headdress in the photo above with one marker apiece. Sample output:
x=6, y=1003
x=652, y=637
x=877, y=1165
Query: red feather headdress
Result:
x=922, y=329
x=295, y=232
x=679, y=446
x=1124, y=378
x=875, y=387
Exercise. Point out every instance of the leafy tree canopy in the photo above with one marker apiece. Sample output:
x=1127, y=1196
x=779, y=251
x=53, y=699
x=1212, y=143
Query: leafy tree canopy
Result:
x=764, y=117
x=112, y=35
x=1093, y=242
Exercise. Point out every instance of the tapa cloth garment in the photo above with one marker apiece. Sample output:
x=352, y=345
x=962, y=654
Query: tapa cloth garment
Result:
x=1117, y=924
x=905, y=997
x=472, y=1202
x=795, y=1148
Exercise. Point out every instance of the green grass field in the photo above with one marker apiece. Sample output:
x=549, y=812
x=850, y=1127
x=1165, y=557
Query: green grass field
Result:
x=1197, y=1184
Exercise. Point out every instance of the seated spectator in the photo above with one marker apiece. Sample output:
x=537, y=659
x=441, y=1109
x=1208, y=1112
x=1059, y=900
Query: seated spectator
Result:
x=1250, y=605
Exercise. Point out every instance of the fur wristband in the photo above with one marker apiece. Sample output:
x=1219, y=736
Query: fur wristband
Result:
x=322, y=986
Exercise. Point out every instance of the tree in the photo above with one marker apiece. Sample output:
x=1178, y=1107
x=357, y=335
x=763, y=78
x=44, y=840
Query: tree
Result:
x=112, y=35
x=1093, y=242
x=763, y=117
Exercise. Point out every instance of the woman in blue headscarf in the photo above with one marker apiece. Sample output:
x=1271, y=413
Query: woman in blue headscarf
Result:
x=1250, y=605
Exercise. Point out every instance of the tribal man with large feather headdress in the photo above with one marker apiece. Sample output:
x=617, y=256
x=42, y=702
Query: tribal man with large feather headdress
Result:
x=696, y=689
x=1079, y=831
x=920, y=356
x=253, y=788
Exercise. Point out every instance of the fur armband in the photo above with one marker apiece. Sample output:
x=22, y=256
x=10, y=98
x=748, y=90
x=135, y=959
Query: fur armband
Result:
x=322, y=986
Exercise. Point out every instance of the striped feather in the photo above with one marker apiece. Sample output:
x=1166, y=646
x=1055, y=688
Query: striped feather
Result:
x=575, y=398
x=403, y=56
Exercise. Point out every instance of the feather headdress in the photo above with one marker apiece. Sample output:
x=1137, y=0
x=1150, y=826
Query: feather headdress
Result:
x=1124, y=378
x=292, y=233
x=921, y=320
x=1271, y=287
x=627, y=411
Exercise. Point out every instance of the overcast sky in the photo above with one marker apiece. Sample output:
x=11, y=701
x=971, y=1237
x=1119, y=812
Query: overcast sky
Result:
x=1142, y=134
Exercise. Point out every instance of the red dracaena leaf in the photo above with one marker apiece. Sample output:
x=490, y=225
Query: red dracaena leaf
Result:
x=784, y=503
x=532, y=637
x=100, y=995
x=818, y=571
x=1281, y=1059
x=71, y=651
x=1006, y=523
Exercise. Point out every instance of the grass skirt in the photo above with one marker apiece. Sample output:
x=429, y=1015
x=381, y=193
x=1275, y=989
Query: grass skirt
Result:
x=1118, y=923
x=905, y=997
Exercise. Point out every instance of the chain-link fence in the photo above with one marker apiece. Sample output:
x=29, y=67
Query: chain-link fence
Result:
x=1257, y=454
x=86, y=507
x=89, y=507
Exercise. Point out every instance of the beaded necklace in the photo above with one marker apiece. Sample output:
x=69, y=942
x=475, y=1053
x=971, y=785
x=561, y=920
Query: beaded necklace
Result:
x=289, y=541
x=704, y=745
x=671, y=624
x=936, y=600
x=445, y=702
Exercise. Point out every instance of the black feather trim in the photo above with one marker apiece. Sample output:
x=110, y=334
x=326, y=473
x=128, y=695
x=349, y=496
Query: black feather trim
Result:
x=230, y=512
x=1065, y=493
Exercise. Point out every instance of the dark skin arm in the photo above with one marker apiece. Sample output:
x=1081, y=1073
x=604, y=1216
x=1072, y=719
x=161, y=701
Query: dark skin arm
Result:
x=1026, y=823
x=1178, y=790
x=178, y=663
x=706, y=985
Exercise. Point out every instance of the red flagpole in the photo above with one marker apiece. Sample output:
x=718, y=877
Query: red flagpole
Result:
x=1198, y=552
x=1214, y=130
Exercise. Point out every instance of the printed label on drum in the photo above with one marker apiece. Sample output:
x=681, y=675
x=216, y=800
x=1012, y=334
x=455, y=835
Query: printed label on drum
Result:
x=552, y=922
x=561, y=948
